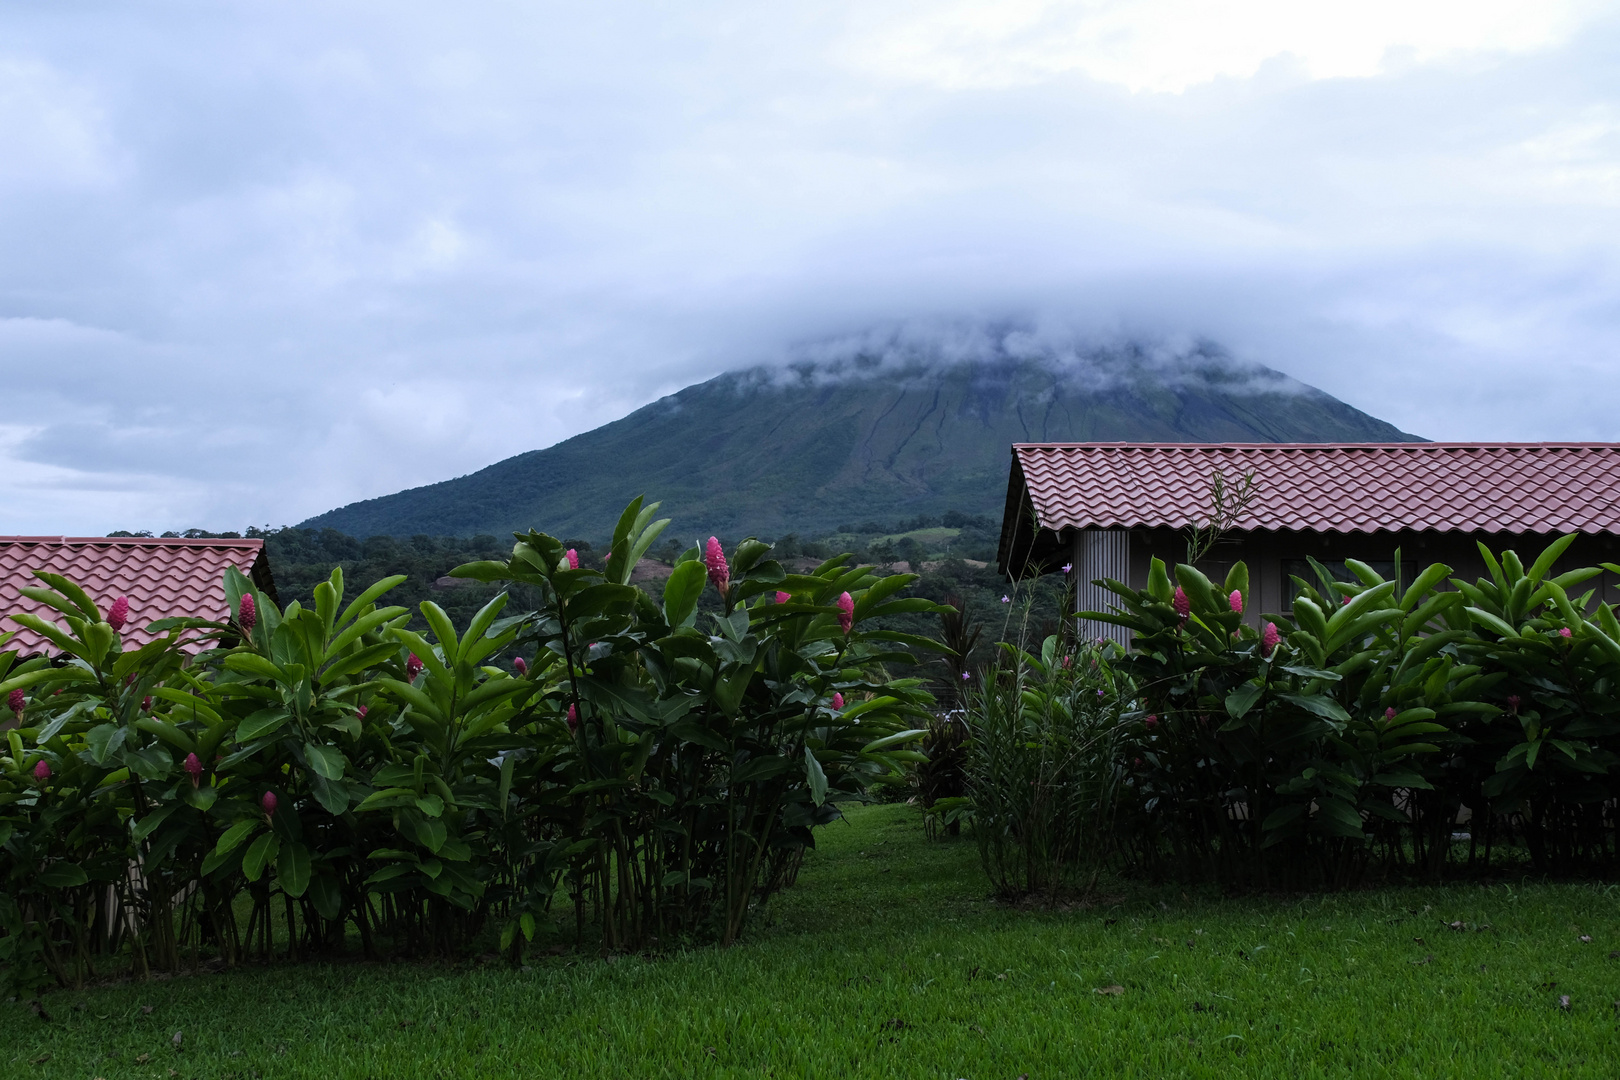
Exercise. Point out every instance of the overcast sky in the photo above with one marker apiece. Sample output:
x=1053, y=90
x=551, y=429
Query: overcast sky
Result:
x=257, y=261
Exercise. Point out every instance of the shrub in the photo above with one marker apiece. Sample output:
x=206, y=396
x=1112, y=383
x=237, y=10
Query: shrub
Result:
x=333, y=762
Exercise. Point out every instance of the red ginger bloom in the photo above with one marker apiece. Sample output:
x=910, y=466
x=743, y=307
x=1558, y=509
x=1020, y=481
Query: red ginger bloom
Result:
x=846, y=612
x=193, y=769
x=17, y=702
x=521, y=665
x=1513, y=702
x=714, y=557
x=268, y=801
x=1236, y=602
x=42, y=771
x=360, y=713
x=1389, y=713
x=838, y=701
x=573, y=559
x=247, y=614
x=146, y=703
x=119, y=613
x=1180, y=602
x=573, y=718
x=782, y=597
x=1151, y=721
x=1269, y=638
x=1565, y=632
x=413, y=667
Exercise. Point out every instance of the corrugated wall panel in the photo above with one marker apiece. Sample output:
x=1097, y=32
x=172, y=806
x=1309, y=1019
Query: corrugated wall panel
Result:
x=1101, y=553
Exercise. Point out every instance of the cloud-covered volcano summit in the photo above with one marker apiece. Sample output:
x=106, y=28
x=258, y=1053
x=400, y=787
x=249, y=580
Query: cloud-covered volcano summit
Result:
x=885, y=425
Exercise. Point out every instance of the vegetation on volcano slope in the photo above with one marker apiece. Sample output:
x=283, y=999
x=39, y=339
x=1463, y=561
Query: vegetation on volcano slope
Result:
x=768, y=451
x=888, y=959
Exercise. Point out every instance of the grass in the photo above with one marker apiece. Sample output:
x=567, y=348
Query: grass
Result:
x=888, y=960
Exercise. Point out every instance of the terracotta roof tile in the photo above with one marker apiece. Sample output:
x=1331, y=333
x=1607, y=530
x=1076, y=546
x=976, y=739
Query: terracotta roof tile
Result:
x=1344, y=487
x=162, y=578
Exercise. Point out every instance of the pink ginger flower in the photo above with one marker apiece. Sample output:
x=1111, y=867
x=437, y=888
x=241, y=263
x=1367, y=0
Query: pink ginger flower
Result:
x=846, y=612
x=119, y=613
x=1235, y=601
x=1067, y=660
x=17, y=703
x=521, y=665
x=146, y=703
x=1269, y=638
x=838, y=701
x=1389, y=713
x=1182, y=605
x=247, y=614
x=573, y=559
x=413, y=668
x=1345, y=601
x=193, y=769
x=1513, y=702
x=1565, y=632
x=360, y=713
x=1150, y=721
x=42, y=771
x=714, y=557
x=573, y=718
x=268, y=802
x=782, y=597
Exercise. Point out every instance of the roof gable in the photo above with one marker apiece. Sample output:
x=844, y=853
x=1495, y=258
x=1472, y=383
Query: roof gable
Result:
x=163, y=578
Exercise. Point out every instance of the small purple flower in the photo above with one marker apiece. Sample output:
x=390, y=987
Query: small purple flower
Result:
x=1068, y=566
x=966, y=676
x=1005, y=599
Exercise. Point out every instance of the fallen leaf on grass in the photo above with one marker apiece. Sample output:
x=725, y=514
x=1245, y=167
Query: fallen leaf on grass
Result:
x=176, y=1040
x=1563, y=1002
x=143, y=1059
x=1586, y=939
x=146, y=1010
x=42, y=1059
x=1426, y=960
x=1112, y=991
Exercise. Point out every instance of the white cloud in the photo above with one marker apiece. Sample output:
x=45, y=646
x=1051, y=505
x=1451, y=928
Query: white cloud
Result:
x=256, y=263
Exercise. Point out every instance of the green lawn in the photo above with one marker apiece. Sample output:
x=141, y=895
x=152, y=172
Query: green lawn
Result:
x=887, y=960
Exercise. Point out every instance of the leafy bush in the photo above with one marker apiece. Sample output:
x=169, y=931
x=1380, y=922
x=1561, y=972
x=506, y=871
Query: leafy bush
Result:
x=1352, y=732
x=332, y=762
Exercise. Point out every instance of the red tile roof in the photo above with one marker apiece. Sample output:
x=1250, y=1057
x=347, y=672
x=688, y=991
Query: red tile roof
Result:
x=162, y=578
x=1322, y=487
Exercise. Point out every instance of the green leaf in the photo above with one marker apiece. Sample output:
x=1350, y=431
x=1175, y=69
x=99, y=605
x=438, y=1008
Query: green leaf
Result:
x=63, y=875
x=292, y=870
x=327, y=895
x=325, y=760
x=262, y=851
x=1320, y=705
x=816, y=777
x=260, y=724
x=1242, y=699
